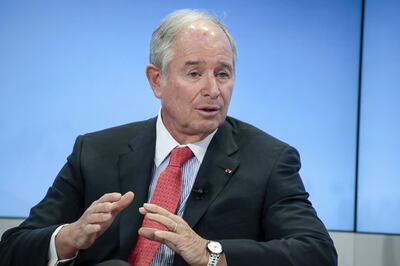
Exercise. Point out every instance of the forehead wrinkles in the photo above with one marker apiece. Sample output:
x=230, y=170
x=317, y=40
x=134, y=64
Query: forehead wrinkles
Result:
x=206, y=40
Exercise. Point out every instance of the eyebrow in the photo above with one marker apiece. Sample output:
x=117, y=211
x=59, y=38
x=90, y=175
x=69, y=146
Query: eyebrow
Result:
x=226, y=65
x=195, y=63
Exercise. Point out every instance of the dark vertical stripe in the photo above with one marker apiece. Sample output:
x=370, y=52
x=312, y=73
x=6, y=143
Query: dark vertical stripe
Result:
x=360, y=65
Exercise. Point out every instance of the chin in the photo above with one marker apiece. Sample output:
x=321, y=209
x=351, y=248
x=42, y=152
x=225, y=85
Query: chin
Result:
x=207, y=126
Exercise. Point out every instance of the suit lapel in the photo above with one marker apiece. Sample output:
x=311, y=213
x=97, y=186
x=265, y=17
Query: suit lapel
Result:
x=217, y=168
x=135, y=173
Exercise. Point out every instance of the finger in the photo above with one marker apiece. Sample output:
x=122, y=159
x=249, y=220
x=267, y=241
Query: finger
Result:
x=142, y=210
x=147, y=232
x=98, y=218
x=169, y=238
x=109, y=197
x=123, y=202
x=104, y=207
x=151, y=234
x=92, y=228
x=170, y=224
x=153, y=208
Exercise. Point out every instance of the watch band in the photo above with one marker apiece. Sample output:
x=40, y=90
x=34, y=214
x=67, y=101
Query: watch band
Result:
x=213, y=259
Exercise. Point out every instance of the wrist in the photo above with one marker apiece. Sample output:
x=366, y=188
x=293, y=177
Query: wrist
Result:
x=64, y=245
x=203, y=257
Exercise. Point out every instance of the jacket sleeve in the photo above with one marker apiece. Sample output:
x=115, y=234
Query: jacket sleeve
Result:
x=28, y=244
x=293, y=234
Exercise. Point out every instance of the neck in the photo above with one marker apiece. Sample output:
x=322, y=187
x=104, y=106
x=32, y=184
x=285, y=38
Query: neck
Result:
x=182, y=135
x=185, y=138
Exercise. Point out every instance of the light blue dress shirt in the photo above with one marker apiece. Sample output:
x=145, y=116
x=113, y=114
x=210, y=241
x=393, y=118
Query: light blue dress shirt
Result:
x=165, y=143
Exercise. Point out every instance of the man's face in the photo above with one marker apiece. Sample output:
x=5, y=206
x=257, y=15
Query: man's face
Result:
x=196, y=93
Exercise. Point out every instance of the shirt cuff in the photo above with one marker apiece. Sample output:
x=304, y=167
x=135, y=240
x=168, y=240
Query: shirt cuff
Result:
x=53, y=258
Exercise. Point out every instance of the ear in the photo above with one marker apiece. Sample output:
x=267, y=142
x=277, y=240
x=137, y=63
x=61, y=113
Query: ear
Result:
x=153, y=74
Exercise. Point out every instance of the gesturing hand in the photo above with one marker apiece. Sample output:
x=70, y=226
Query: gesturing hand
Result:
x=92, y=224
x=179, y=237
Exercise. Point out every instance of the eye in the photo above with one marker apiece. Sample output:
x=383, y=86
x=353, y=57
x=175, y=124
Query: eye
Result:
x=223, y=75
x=194, y=74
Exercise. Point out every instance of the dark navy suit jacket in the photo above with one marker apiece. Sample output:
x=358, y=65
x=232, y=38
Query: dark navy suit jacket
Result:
x=258, y=208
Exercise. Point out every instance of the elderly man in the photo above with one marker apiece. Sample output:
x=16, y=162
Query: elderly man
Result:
x=189, y=187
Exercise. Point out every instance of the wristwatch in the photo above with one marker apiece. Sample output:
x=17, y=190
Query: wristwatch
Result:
x=214, y=250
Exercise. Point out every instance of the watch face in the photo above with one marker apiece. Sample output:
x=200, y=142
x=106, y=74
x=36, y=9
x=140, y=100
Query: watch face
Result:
x=214, y=247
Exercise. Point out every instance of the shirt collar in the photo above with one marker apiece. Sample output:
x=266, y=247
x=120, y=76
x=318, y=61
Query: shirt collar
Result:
x=165, y=143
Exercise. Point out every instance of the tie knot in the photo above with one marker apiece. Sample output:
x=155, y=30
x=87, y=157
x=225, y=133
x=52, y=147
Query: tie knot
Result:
x=179, y=156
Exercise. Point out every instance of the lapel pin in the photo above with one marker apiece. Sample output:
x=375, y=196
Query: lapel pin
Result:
x=228, y=171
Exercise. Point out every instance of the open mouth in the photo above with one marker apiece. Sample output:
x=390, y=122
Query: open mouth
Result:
x=209, y=110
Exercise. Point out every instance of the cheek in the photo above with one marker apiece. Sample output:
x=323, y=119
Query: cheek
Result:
x=171, y=93
x=226, y=94
x=180, y=99
x=186, y=94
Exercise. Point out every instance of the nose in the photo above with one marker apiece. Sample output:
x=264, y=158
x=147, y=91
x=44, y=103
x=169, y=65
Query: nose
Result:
x=211, y=87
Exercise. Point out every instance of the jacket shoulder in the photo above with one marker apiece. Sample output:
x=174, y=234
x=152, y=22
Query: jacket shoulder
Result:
x=247, y=134
x=117, y=138
x=122, y=131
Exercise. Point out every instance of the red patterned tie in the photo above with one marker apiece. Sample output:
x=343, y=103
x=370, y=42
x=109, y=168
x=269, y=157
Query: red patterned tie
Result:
x=166, y=194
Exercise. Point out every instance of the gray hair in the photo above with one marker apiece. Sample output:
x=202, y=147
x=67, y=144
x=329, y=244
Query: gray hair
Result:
x=163, y=37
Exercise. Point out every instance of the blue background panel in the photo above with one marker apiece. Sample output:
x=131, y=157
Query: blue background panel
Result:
x=379, y=176
x=71, y=67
